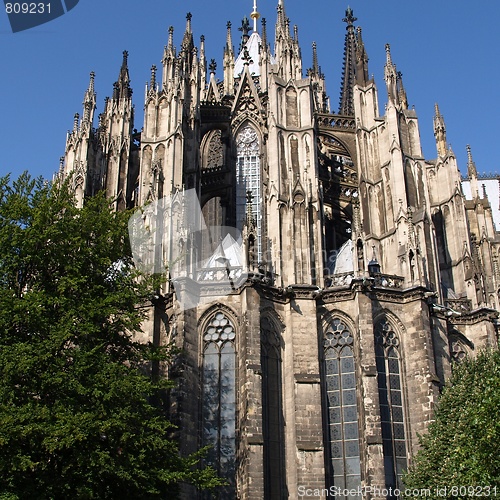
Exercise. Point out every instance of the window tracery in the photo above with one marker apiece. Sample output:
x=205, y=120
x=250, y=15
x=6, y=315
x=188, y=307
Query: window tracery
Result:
x=339, y=381
x=248, y=179
x=219, y=399
x=215, y=155
x=392, y=413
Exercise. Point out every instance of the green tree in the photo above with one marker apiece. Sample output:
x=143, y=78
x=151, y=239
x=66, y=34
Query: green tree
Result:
x=462, y=445
x=77, y=418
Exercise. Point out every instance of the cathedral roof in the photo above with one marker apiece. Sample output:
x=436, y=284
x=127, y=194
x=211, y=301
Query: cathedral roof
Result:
x=250, y=49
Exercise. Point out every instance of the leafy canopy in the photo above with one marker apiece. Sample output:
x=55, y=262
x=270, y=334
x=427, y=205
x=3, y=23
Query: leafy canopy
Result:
x=76, y=412
x=462, y=446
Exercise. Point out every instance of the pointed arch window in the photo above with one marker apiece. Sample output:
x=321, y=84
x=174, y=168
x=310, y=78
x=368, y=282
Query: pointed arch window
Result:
x=272, y=412
x=392, y=413
x=339, y=383
x=219, y=399
x=248, y=179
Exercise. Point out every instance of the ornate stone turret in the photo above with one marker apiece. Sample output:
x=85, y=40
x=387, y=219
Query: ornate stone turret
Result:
x=116, y=138
x=79, y=154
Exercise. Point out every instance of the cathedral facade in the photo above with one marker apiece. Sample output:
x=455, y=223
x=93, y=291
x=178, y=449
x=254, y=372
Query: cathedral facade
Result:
x=368, y=271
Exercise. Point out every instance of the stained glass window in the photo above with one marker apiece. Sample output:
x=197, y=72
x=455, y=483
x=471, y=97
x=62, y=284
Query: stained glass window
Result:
x=248, y=179
x=342, y=432
x=219, y=400
x=391, y=398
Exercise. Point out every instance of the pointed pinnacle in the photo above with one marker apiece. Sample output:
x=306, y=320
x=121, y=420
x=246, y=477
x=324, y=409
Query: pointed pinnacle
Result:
x=315, y=67
x=125, y=59
x=153, y=76
x=91, y=83
x=229, y=41
x=388, y=54
x=471, y=166
x=170, y=37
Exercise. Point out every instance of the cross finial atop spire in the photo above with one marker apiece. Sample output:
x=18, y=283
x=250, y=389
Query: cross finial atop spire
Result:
x=245, y=26
x=349, y=17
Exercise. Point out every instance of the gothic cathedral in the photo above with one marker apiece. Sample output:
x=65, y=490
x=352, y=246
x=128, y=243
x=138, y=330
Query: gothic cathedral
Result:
x=368, y=271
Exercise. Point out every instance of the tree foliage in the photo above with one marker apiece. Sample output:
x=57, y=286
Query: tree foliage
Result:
x=77, y=418
x=462, y=446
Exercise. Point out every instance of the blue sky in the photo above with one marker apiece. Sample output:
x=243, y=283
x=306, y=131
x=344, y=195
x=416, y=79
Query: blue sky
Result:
x=446, y=50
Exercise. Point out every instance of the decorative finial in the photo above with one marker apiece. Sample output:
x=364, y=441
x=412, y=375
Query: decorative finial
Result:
x=264, y=32
x=91, y=85
x=75, y=122
x=255, y=15
x=349, y=17
x=189, y=16
x=212, y=66
x=245, y=26
x=125, y=58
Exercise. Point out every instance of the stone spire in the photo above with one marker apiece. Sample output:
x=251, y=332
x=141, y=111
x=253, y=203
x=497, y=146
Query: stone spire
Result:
x=390, y=76
x=168, y=60
x=89, y=102
x=122, y=88
x=152, y=84
x=187, y=41
x=361, y=60
x=439, y=132
x=264, y=33
x=315, y=66
x=287, y=51
x=471, y=166
x=402, y=99
x=346, y=104
x=228, y=63
x=472, y=174
x=203, y=59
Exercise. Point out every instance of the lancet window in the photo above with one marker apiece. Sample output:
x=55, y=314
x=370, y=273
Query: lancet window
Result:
x=219, y=399
x=272, y=412
x=391, y=396
x=248, y=179
x=342, y=430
